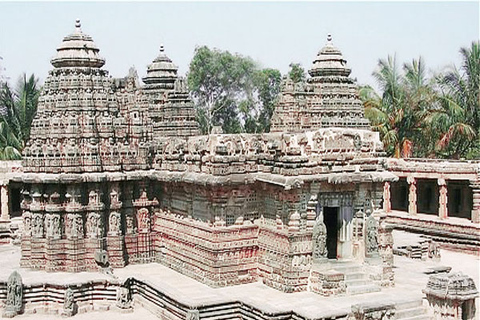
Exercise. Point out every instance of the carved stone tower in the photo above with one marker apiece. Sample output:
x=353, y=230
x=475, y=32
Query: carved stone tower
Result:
x=328, y=99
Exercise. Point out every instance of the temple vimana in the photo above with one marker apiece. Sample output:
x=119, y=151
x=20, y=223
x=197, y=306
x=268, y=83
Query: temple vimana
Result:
x=117, y=174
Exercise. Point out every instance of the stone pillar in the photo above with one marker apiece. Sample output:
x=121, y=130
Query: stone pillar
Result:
x=412, y=195
x=387, y=204
x=5, y=214
x=442, y=199
x=476, y=203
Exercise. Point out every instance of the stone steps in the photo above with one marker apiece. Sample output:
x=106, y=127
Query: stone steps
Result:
x=356, y=280
x=408, y=304
x=409, y=313
x=359, y=289
x=411, y=310
x=419, y=317
x=355, y=276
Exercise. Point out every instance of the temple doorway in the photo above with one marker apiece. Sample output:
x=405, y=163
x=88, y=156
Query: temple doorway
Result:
x=330, y=218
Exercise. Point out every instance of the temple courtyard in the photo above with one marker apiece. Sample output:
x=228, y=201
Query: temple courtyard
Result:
x=410, y=278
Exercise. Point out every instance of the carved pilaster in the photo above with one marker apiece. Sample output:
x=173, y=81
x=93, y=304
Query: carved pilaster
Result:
x=476, y=203
x=5, y=214
x=387, y=205
x=442, y=199
x=412, y=195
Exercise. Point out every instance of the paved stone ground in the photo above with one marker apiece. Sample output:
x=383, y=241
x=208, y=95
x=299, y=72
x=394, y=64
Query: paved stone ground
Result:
x=409, y=278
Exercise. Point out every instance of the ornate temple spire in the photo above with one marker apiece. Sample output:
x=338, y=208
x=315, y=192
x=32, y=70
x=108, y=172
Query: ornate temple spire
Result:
x=328, y=99
x=79, y=127
x=78, y=50
x=170, y=108
x=161, y=72
x=329, y=62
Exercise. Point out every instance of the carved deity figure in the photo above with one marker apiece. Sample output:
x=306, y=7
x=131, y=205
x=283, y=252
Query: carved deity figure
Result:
x=94, y=225
x=114, y=224
x=13, y=304
x=371, y=235
x=357, y=142
x=192, y=314
x=37, y=226
x=27, y=223
x=143, y=217
x=52, y=225
x=130, y=224
x=433, y=250
x=124, y=299
x=74, y=226
x=68, y=303
x=319, y=239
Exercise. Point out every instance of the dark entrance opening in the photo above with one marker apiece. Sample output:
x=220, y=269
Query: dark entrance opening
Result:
x=330, y=218
x=399, y=195
x=460, y=199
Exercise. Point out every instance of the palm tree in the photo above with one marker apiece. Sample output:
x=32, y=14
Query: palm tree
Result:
x=386, y=113
x=17, y=110
x=457, y=118
x=398, y=114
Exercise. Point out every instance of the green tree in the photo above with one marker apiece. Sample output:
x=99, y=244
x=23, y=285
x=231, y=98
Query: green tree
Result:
x=297, y=73
x=399, y=112
x=267, y=90
x=457, y=119
x=231, y=91
x=18, y=110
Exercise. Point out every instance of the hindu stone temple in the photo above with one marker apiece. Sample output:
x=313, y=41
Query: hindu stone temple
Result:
x=117, y=173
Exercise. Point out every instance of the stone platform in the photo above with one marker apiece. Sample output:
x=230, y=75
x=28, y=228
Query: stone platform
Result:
x=192, y=295
x=454, y=233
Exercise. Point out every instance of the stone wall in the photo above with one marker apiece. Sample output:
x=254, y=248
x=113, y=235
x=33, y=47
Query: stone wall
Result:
x=211, y=253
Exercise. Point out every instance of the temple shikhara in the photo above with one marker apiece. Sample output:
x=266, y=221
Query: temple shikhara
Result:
x=116, y=173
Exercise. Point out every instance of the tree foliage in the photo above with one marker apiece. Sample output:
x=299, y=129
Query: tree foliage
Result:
x=424, y=116
x=297, y=72
x=457, y=120
x=232, y=91
x=17, y=110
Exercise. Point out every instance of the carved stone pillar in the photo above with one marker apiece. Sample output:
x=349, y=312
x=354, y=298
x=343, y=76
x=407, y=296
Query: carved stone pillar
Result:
x=476, y=203
x=412, y=195
x=387, y=204
x=442, y=199
x=5, y=215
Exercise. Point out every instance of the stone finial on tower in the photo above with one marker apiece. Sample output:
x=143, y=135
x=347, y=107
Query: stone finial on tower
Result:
x=77, y=24
x=329, y=37
x=162, y=49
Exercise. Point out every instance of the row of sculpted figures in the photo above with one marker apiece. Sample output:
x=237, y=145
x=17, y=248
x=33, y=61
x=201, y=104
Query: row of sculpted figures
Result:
x=54, y=216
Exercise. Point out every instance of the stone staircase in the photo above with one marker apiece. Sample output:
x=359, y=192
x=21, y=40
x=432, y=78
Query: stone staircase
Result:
x=411, y=310
x=356, y=280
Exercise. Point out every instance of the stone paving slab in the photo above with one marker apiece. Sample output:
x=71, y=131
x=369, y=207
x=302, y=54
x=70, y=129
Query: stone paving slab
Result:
x=409, y=278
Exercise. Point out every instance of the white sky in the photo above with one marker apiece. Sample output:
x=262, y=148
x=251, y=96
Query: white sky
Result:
x=273, y=33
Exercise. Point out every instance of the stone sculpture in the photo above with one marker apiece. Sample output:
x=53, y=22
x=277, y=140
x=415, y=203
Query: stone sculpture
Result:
x=124, y=297
x=14, y=303
x=114, y=224
x=371, y=240
x=319, y=239
x=69, y=306
x=192, y=314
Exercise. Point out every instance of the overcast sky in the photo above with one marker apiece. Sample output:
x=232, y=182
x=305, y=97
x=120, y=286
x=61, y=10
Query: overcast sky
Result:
x=273, y=33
